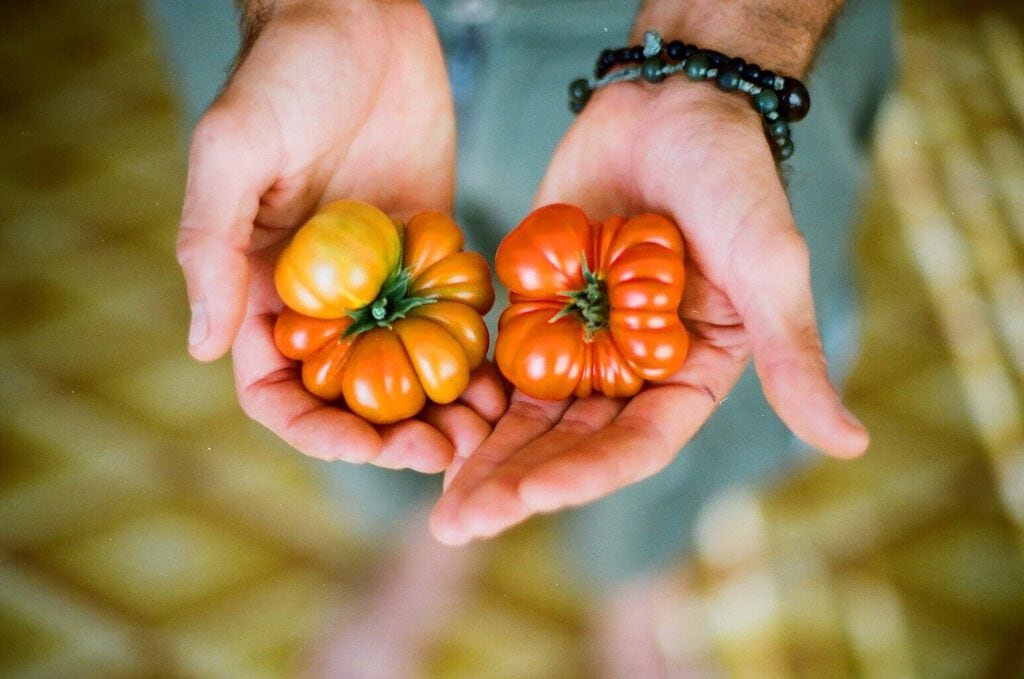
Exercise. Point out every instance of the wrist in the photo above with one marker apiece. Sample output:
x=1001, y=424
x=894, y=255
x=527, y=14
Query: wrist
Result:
x=779, y=34
x=779, y=100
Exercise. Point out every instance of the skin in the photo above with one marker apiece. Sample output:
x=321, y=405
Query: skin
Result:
x=677, y=149
x=310, y=115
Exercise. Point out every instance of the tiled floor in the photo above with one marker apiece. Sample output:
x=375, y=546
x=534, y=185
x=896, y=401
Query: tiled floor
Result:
x=148, y=529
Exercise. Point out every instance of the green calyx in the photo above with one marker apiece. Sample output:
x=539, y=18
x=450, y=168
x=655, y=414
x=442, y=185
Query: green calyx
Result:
x=589, y=304
x=392, y=303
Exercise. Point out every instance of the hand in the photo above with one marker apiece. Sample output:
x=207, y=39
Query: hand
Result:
x=699, y=156
x=331, y=101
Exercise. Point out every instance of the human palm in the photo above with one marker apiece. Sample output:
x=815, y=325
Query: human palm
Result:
x=329, y=102
x=698, y=156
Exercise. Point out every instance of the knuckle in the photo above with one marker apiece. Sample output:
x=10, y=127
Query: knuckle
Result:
x=529, y=410
x=575, y=426
x=188, y=245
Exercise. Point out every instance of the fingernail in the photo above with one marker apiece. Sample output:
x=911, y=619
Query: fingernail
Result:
x=199, y=328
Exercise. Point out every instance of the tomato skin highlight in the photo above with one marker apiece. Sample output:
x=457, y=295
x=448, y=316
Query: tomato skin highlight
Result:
x=438, y=359
x=462, y=277
x=544, y=359
x=612, y=375
x=379, y=384
x=541, y=257
x=463, y=323
x=299, y=337
x=593, y=305
x=429, y=238
x=338, y=260
x=429, y=335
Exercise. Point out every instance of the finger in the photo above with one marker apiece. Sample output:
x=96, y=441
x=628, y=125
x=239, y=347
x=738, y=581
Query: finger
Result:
x=525, y=420
x=641, y=440
x=271, y=392
x=487, y=397
x=414, y=444
x=222, y=197
x=774, y=299
x=584, y=415
x=463, y=427
x=495, y=504
x=486, y=393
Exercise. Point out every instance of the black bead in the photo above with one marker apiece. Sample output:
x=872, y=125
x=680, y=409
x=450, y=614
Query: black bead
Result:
x=650, y=70
x=766, y=101
x=737, y=64
x=794, y=100
x=636, y=54
x=607, y=58
x=716, y=58
x=785, y=150
x=622, y=55
x=674, y=50
x=778, y=129
x=752, y=73
x=579, y=90
x=697, y=67
x=576, y=106
x=727, y=80
x=689, y=51
x=768, y=78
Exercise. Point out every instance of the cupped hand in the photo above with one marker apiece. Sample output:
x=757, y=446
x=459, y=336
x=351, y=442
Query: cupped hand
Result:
x=699, y=156
x=332, y=100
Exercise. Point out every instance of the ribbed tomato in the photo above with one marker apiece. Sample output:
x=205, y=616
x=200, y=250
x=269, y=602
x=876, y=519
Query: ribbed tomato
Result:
x=381, y=315
x=594, y=306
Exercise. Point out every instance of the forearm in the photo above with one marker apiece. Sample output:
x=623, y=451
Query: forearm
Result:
x=254, y=15
x=778, y=34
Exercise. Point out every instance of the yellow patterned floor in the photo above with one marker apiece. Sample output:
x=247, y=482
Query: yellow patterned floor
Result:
x=148, y=529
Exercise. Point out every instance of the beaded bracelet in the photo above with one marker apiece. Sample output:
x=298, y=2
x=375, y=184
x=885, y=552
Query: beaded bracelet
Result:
x=780, y=100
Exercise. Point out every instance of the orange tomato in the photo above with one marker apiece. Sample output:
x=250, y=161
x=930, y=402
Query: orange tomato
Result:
x=593, y=305
x=382, y=317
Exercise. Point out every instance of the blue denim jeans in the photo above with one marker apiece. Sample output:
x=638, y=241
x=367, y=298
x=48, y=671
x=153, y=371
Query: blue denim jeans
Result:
x=510, y=62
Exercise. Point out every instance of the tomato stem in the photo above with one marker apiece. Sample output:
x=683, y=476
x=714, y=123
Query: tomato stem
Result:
x=589, y=304
x=392, y=303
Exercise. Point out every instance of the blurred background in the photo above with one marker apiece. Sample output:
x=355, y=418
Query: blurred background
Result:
x=148, y=529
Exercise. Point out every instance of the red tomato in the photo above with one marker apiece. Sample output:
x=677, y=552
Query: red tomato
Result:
x=593, y=305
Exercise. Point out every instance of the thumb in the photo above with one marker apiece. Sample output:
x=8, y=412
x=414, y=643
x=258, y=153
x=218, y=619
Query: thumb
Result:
x=772, y=291
x=222, y=198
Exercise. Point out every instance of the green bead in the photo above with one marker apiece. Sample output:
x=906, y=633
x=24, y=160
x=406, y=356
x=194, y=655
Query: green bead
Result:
x=778, y=129
x=697, y=67
x=727, y=80
x=766, y=101
x=650, y=70
x=576, y=106
x=786, y=150
x=579, y=90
